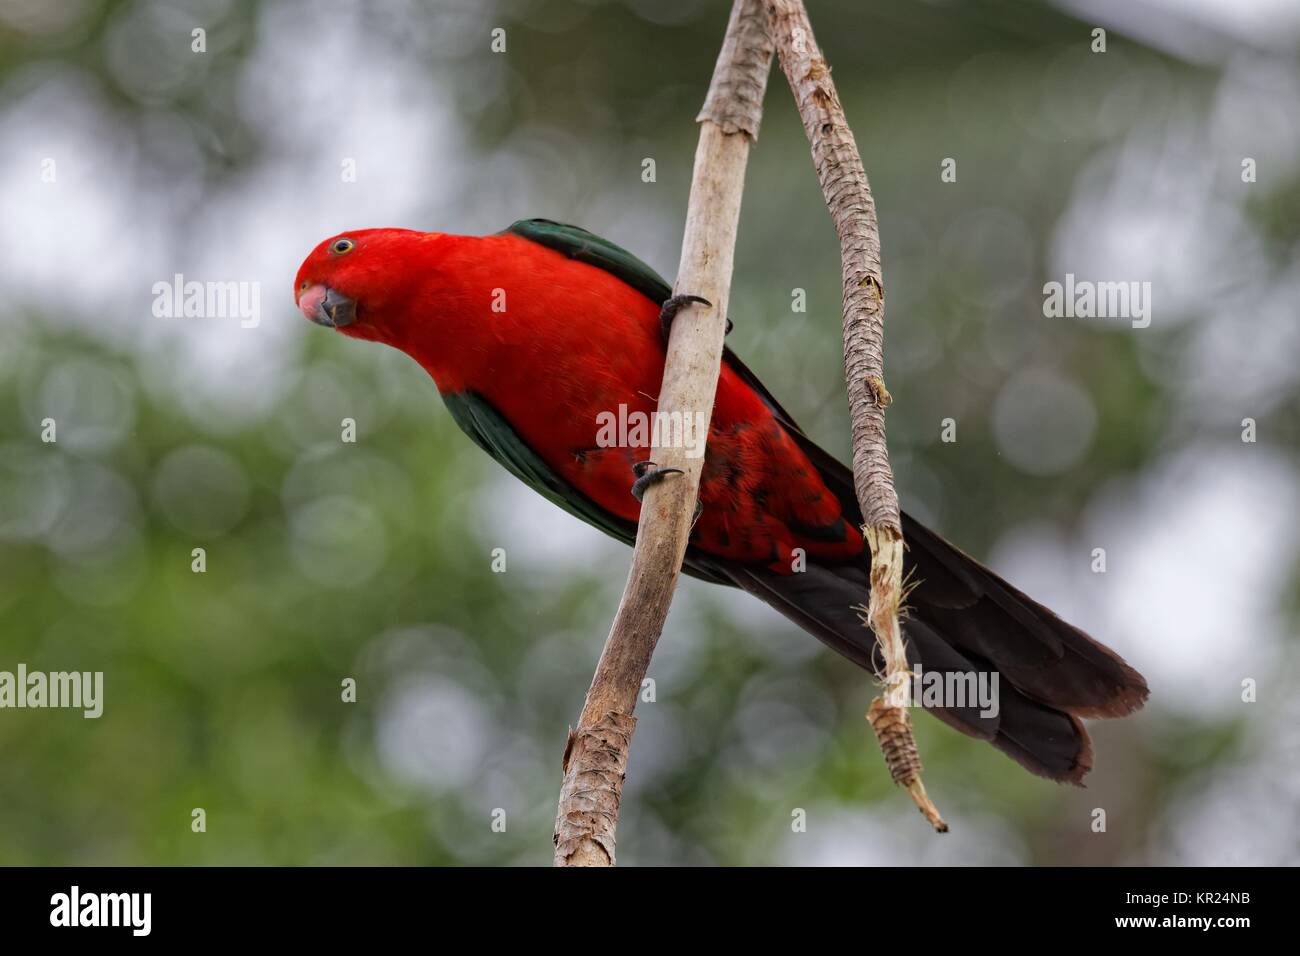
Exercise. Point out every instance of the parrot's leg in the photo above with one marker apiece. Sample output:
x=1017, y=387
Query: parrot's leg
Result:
x=672, y=306
x=647, y=474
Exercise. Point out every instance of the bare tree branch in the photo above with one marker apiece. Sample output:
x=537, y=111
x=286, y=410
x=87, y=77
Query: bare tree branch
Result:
x=595, y=759
x=848, y=197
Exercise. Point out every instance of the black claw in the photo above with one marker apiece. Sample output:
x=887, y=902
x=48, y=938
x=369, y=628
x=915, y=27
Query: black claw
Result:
x=672, y=306
x=647, y=474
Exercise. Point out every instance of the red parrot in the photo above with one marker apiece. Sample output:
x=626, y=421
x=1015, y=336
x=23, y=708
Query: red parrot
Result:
x=534, y=333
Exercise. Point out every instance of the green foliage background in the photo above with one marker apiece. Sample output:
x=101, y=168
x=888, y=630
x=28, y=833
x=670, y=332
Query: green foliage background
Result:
x=328, y=560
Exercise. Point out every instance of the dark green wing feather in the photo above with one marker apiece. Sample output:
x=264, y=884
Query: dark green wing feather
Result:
x=479, y=420
x=584, y=246
x=579, y=244
x=491, y=432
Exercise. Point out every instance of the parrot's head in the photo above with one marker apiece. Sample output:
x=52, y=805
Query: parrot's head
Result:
x=357, y=281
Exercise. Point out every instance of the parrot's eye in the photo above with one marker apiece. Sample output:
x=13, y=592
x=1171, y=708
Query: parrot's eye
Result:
x=340, y=246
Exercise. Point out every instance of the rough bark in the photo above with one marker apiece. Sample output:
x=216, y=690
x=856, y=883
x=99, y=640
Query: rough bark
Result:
x=595, y=761
x=853, y=211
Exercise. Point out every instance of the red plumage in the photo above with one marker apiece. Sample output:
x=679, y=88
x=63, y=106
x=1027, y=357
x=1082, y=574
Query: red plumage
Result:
x=552, y=343
x=573, y=342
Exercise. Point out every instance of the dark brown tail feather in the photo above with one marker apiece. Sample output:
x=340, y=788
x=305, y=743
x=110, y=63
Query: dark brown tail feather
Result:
x=965, y=618
x=983, y=616
x=1050, y=673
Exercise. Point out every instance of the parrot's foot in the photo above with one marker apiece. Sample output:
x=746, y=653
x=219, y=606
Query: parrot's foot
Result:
x=647, y=474
x=672, y=306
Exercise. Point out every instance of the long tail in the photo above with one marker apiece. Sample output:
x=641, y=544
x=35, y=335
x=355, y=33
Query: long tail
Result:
x=963, y=618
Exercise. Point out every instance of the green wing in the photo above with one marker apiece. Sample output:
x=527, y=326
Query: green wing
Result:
x=588, y=247
x=491, y=432
x=584, y=246
x=479, y=420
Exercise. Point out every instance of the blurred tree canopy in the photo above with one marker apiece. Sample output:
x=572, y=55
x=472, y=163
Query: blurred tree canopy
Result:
x=328, y=560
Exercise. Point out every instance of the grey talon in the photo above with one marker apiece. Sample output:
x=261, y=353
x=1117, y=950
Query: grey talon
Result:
x=668, y=311
x=647, y=474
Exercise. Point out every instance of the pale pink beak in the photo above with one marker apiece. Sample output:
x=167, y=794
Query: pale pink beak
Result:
x=326, y=307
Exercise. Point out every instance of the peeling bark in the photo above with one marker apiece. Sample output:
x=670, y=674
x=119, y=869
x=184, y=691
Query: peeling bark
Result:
x=853, y=211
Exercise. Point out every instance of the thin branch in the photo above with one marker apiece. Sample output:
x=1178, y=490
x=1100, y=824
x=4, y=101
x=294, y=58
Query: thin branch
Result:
x=848, y=197
x=595, y=758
